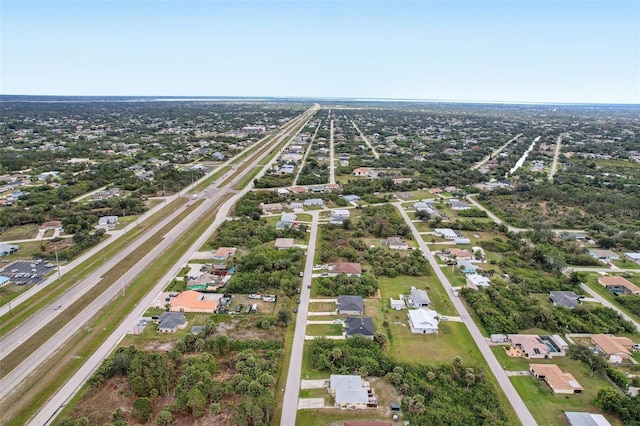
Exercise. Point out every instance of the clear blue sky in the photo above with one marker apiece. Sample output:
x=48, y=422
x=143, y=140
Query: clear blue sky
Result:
x=523, y=51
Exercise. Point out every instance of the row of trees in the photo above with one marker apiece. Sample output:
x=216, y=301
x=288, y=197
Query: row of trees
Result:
x=267, y=268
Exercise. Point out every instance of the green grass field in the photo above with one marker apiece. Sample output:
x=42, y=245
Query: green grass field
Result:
x=324, y=329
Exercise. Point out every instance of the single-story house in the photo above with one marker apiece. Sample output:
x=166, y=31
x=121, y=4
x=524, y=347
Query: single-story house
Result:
x=270, y=207
x=466, y=267
x=419, y=298
x=476, y=280
x=447, y=233
x=531, y=345
x=318, y=188
x=558, y=381
x=568, y=299
x=170, y=322
x=284, y=243
x=577, y=418
x=398, y=181
x=351, y=392
x=350, y=305
x=313, y=202
x=436, y=190
x=397, y=305
x=295, y=205
x=619, y=285
x=362, y=171
x=460, y=254
x=634, y=257
x=419, y=205
x=339, y=216
x=223, y=253
x=192, y=301
x=423, y=321
x=7, y=249
x=351, y=198
x=359, y=325
x=606, y=255
x=458, y=205
x=462, y=241
x=347, y=268
x=298, y=189
x=396, y=243
x=332, y=186
x=288, y=217
x=108, y=221
x=616, y=349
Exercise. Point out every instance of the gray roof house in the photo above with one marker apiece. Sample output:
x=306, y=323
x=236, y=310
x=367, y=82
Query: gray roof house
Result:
x=359, y=325
x=576, y=418
x=350, y=391
x=568, y=299
x=353, y=305
x=170, y=322
x=420, y=298
x=313, y=202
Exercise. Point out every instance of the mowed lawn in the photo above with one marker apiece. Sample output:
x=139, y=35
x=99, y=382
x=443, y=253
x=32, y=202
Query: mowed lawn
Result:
x=547, y=407
x=393, y=287
x=324, y=330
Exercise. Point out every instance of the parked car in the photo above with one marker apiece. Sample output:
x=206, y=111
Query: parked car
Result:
x=298, y=301
x=295, y=310
x=239, y=308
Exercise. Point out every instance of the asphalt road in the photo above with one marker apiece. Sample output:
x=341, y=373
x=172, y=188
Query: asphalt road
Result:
x=48, y=412
x=306, y=154
x=494, y=153
x=292, y=389
x=556, y=155
x=605, y=302
x=523, y=413
x=375, y=153
x=332, y=163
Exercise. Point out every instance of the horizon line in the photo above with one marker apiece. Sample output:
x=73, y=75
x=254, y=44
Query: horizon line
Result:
x=160, y=98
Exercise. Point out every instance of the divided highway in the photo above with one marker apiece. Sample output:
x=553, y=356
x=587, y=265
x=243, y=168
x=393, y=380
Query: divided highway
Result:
x=11, y=381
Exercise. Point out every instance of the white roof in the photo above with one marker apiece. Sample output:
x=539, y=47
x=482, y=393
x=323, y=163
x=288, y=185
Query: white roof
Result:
x=586, y=419
x=340, y=212
x=397, y=303
x=478, y=280
x=446, y=232
x=634, y=256
x=423, y=318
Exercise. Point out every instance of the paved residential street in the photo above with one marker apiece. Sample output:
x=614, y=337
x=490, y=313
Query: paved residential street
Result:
x=292, y=390
x=503, y=380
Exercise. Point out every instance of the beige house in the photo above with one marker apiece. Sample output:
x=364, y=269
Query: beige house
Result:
x=616, y=349
x=558, y=381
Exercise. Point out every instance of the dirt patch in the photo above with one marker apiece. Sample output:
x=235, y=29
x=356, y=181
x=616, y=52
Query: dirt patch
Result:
x=159, y=345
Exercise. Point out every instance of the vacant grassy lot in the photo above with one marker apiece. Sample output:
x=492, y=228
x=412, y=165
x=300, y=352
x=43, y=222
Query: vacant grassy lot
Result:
x=324, y=330
x=23, y=232
x=322, y=307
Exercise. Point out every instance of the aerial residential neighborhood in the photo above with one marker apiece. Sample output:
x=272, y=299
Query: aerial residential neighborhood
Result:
x=318, y=264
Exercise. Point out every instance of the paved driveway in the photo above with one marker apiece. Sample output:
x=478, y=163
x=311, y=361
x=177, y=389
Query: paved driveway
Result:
x=313, y=384
x=310, y=403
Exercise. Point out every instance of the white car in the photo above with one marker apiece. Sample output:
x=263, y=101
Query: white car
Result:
x=55, y=308
x=636, y=346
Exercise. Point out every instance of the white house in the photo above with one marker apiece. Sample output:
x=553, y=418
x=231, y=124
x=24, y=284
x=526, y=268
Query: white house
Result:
x=339, y=216
x=634, y=257
x=475, y=281
x=447, y=233
x=314, y=202
x=397, y=305
x=423, y=321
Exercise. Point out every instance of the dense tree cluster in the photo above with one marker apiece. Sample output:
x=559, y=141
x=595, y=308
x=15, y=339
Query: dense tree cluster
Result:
x=443, y=394
x=195, y=381
x=391, y=264
x=247, y=233
x=510, y=309
x=365, y=285
x=267, y=268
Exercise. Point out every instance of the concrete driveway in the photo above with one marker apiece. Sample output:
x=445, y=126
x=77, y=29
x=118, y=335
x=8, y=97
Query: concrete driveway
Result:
x=310, y=403
x=313, y=384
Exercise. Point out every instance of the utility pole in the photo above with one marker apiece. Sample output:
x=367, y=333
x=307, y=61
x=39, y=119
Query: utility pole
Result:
x=55, y=246
x=124, y=223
